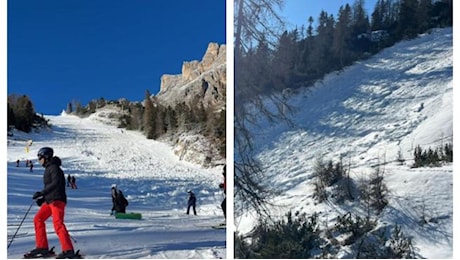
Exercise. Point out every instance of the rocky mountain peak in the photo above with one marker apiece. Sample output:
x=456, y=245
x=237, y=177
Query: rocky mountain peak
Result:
x=204, y=80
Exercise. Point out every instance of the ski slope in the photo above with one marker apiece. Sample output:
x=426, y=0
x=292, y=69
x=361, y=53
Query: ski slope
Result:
x=367, y=115
x=152, y=178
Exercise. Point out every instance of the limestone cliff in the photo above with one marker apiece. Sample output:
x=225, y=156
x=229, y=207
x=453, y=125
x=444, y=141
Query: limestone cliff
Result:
x=200, y=81
x=205, y=79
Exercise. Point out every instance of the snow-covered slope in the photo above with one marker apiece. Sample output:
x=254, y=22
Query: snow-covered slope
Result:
x=154, y=180
x=366, y=115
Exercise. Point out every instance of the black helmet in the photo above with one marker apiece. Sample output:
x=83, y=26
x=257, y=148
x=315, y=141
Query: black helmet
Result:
x=45, y=152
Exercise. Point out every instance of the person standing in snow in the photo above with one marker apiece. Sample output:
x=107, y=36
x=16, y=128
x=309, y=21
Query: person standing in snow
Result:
x=52, y=200
x=224, y=187
x=191, y=202
x=73, y=182
x=69, y=180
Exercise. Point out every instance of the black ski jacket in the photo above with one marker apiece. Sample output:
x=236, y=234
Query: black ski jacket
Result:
x=54, y=181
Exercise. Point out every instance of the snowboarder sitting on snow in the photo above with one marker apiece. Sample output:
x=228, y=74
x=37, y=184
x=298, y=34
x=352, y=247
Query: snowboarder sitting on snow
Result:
x=191, y=202
x=119, y=202
x=52, y=200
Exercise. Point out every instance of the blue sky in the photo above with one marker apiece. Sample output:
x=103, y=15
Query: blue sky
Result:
x=79, y=50
x=297, y=12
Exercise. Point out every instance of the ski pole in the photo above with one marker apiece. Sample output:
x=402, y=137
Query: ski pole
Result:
x=73, y=239
x=20, y=224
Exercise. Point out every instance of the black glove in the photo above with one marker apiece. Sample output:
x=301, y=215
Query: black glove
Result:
x=40, y=201
x=37, y=195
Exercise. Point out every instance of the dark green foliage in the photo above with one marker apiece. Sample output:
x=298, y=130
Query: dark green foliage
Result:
x=400, y=246
x=242, y=249
x=298, y=236
x=332, y=175
x=354, y=225
x=149, y=116
x=448, y=153
x=132, y=120
x=293, y=237
x=69, y=108
x=432, y=157
x=385, y=243
x=335, y=43
x=216, y=130
x=441, y=13
x=170, y=120
x=407, y=20
x=378, y=194
x=21, y=114
x=374, y=192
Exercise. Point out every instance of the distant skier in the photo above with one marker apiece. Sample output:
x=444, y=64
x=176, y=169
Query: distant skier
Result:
x=69, y=180
x=191, y=202
x=52, y=200
x=31, y=164
x=73, y=182
x=17, y=163
x=119, y=202
x=224, y=187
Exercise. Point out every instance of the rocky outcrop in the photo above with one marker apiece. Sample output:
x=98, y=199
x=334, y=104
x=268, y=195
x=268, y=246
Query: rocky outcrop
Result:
x=205, y=80
x=200, y=81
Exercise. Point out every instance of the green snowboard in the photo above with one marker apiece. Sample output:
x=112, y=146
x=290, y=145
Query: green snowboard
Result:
x=131, y=215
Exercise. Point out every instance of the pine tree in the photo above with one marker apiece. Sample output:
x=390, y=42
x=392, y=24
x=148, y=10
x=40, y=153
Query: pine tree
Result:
x=159, y=120
x=24, y=114
x=69, y=109
x=322, y=53
x=407, y=20
x=11, y=117
x=149, y=116
x=285, y=60
x=170, y=120
x=342, y=35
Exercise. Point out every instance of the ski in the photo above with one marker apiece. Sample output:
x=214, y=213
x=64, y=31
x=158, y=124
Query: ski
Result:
x=219, y=227
x=77, y=255
x=52, y=254
x=49, y=254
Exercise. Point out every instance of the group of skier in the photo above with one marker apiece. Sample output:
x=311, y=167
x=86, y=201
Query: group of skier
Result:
x=71, y=181
x=29, y=164
x=52, y=200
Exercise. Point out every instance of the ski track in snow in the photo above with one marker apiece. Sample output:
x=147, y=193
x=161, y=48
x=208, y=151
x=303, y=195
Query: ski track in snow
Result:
x=366, y=115
x=149, y=174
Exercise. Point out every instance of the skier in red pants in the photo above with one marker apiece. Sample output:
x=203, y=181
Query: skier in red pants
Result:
x=52, y=200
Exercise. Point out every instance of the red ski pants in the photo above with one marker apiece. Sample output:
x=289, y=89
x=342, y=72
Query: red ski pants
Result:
x=56, y=210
